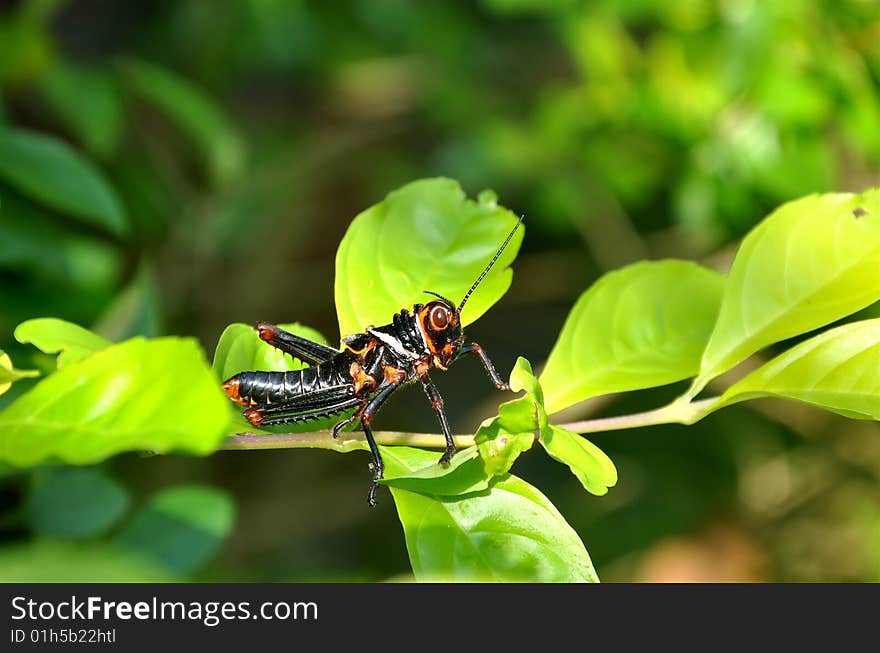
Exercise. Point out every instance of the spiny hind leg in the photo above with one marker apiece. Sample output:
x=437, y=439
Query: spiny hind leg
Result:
x=304, y=349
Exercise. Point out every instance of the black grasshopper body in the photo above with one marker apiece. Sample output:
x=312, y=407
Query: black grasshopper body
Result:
x=364, y=373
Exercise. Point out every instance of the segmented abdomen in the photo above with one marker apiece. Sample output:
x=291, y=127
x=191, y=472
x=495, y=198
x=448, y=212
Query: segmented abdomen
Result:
x=277, y=387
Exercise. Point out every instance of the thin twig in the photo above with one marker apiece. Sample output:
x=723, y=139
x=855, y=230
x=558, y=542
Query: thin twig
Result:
x=674, y=413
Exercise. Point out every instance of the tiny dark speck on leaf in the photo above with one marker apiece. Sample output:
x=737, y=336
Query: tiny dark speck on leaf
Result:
x=859, y=212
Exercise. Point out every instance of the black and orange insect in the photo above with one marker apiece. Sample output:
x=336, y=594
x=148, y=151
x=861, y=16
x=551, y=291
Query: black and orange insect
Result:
x=369, y=368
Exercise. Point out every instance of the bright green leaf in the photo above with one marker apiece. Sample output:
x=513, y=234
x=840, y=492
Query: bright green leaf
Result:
x=812, y=261
x=182, y=527
x=89, y=104
x=51, y=335
x=587, y=462
x=639, y=327
x=156, y=395
x=240, y=349
x=47, y=561
x=463, y=475
x=509, y=533
x=838, y=370
x=193, y=112
x=52, y=173
x=423, y=236
x=499, y=448
x=75, y=504
x=8, y=374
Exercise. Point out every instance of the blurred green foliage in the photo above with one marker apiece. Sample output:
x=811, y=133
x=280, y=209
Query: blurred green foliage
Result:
x=229, y=145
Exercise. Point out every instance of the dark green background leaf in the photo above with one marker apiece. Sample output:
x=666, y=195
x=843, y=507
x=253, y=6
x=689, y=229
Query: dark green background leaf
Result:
x=52, y=173
x=75, y=504
x=180, y=528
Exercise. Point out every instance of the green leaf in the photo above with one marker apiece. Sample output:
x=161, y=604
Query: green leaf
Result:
x=156, y=395
x=812, y=261
x=75, y=504
x=241, y=350
x=509, y=533
x=642, y=326
x=8, y=374
x=47, y=561
x=193, y=112
x=519, y=422
x=52, y=173
x=463, y=475
x=74, y=260
x=89, y=104
x=182, y=527
x=838, y=370
x=423, y=236
x=587, y=462
x=51, y=335
x=135, y=311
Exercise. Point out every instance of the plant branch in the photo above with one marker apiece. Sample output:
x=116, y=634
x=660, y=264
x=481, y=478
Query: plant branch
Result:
x=677, y=412
x=344, y=443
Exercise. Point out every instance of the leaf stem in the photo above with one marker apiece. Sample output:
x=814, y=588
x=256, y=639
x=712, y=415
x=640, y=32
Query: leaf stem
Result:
x=678, y=412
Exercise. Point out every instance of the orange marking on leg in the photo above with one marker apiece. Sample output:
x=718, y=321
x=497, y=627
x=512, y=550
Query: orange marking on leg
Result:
x=393, y=374
x=422, y=368
x=267, y=331
x=254, y=416
x=360, y=378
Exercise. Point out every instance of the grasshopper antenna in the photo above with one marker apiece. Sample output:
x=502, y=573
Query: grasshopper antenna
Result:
x=491, y=263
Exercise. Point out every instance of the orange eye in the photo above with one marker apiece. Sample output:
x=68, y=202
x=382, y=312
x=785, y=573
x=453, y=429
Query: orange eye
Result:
x=439, y=317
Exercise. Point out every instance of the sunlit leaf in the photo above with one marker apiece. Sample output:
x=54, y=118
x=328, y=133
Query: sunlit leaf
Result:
x=838, y=370
x=156, y=395
x=51, y=335
x=8, y=374
x=180, y=528
x=509, y=533
x=812, y=261
x=52, y=173
x=75, y=504
x=463, y=475
x=423, y=236
x=642, y=326
x=587, y=462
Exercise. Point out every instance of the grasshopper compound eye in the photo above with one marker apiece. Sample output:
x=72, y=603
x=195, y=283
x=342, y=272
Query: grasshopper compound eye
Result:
x=439, y=318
